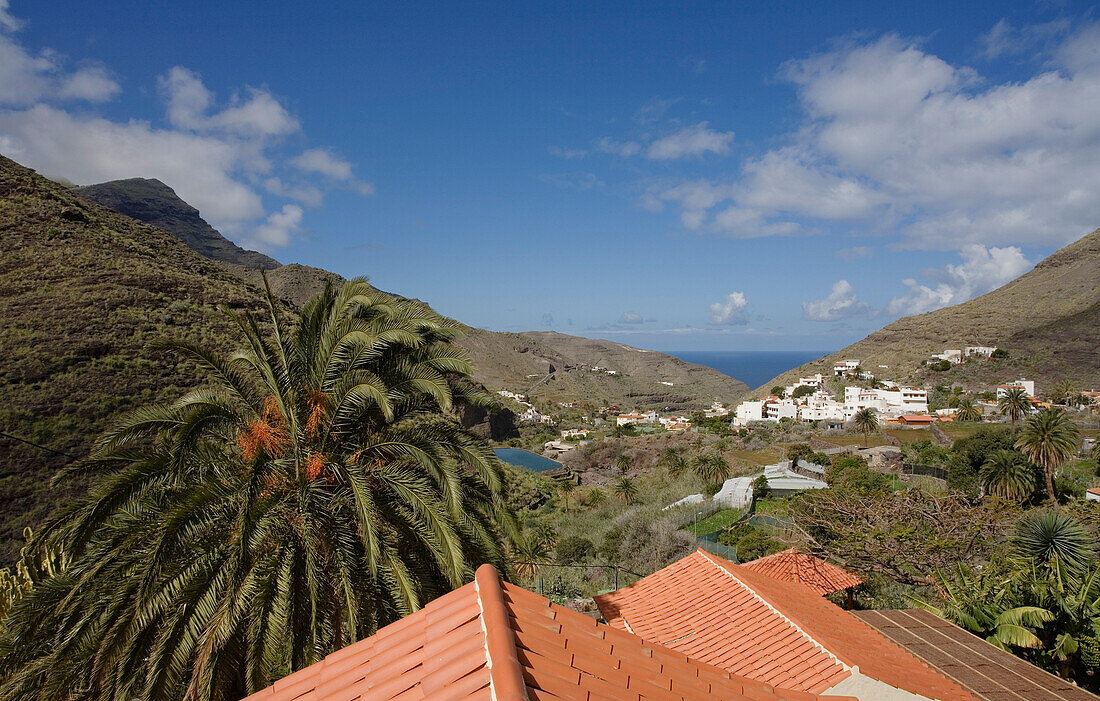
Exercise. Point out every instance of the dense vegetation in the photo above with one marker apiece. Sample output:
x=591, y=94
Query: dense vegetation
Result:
x=317, y=488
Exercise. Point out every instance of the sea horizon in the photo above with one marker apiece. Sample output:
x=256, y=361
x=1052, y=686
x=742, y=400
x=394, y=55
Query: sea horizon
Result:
x=754, y=368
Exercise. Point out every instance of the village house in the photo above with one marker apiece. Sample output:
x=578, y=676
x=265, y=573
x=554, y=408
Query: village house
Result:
x=575, y=433
x=845, y=366
x=636, y=418
x=1026, y=385
x=952, y=356
x=979, y=351
x=887, y=403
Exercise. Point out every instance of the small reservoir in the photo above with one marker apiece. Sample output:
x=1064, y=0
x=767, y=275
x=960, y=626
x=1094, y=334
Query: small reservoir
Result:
x=526, y=459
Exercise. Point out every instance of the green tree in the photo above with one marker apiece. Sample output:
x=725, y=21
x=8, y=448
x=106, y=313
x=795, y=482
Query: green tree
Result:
x=760, y=488
x=1048, y=439
x=573, y=549
x=1007, y=473
x=711, y=467
x=318, y=489
x=866, y=422
x=802, y=391
x=674, y=462
x=626, y=491
x=779, y=391
x=566, y=488
x=967, y=410
x=1014, y=403
x=623, y=463
x=1063, y=392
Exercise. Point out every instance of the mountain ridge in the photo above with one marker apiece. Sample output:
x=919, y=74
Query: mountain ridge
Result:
x=1047, y=320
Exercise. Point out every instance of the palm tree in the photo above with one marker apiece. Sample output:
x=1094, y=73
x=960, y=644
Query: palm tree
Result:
x=711, y=467
x=318, y=489
x=1007, y=473
x=1051, y=538
x=623, y=463
x=673, y=462
x=1048, y=439
x=1063, y=392
x=866, y=422
x=566, y=487
x=967, y=410
x=626, y=490
x=595, y=497
x=1014, y=403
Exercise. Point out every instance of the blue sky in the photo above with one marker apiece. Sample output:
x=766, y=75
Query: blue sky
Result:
x=678, y=175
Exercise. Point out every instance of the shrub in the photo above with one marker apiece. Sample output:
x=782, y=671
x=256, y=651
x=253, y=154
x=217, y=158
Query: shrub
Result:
x=574, y=549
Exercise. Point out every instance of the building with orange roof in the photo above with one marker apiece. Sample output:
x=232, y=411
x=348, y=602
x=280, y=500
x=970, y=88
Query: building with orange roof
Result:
x=813, y=572
x=499, y=642
x=777, y=632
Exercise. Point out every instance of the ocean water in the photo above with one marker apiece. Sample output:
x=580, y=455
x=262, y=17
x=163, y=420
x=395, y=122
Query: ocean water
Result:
x=527, y=459
x=754, y=368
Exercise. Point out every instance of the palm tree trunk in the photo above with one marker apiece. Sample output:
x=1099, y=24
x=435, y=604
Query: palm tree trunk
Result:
x=1049, y=474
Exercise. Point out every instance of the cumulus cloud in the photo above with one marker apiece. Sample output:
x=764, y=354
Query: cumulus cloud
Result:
x=982, y=270
x=730, y=311
x=894, y=137
x=324, y=162
x=218, y=155
x=631, y=318
x=841, y=303
x=690, y=141
x=276, y=231
x=27, y=77
x=190, y=103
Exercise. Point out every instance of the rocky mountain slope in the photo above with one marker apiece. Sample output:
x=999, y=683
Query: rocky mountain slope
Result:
x=642, y=379
x=1048, y=321
x=153, y=202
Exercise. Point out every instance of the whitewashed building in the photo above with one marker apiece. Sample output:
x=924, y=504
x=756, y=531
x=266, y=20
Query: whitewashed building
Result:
x=1026, y=385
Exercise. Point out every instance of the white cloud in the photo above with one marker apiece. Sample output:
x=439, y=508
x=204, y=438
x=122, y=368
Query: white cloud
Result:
x=85, y=150
x=92, y=83
x=26, y=78
x=982, y=270
x=841, y=303
x=730, y=311
x=894, y=138
x=618, y=148
x=691, y=141
x=7, y=22
x=631, y=318
x=323, y=161
x=276, y=231
x=218, y=156
x=189, y=104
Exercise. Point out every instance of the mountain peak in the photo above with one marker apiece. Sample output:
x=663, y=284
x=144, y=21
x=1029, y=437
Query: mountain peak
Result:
x=152, y=201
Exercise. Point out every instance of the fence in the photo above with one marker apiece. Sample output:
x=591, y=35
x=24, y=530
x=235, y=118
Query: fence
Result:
x=912, y=468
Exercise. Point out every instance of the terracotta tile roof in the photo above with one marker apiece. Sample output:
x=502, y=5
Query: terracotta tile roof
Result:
x=755, y=626
x=792, y=566
x=989, y=672
x=494, y=641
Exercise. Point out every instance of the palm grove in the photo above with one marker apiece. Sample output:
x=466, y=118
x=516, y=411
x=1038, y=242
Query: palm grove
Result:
x=317, y=489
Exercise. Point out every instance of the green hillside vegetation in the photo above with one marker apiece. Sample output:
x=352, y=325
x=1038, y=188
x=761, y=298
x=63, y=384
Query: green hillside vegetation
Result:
x=85, y=290
x=1048, y=321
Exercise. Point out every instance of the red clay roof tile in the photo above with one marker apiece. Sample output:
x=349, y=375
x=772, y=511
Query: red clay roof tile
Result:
x=792, y=566
x=749, y=623
x=489, y=640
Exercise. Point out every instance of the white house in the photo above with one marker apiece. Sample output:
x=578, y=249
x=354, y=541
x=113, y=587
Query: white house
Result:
x=781, y=409
x=532, y=416
x=951, y=356
x=636, y=418
x=888, y=403
x=717, y=409
x=575, y=433
x=845, y=366
x=1026, y=385
x=747, y=412
x=820, y=406
x=979, y=351
x=1093, y=494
